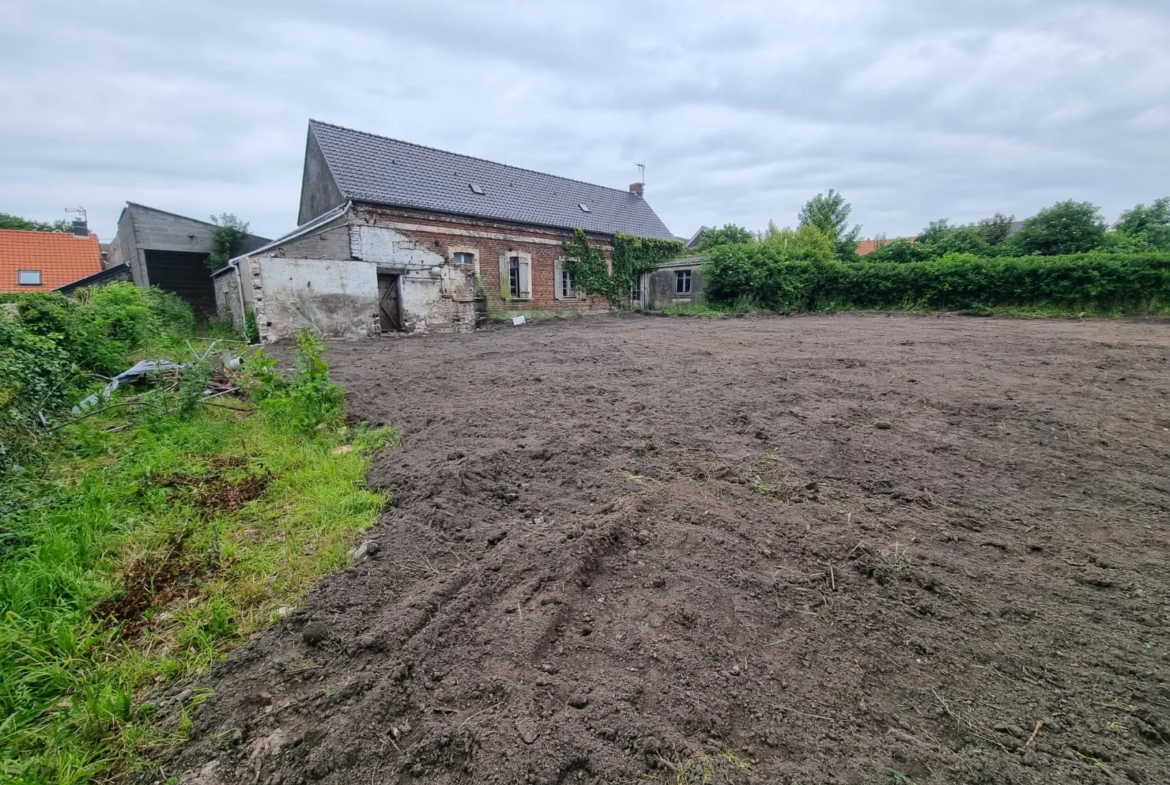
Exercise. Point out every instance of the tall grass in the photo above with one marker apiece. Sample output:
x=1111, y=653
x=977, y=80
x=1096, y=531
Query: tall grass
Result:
x=73, y=684
x=135, y=552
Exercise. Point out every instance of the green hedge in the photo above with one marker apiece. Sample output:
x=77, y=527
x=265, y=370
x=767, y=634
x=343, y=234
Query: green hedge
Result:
x=761, y=275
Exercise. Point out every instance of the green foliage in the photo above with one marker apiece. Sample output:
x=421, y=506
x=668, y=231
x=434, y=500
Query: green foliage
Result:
x=728, y=234
x=192, y=388
x=996, y=229
x=1065, y=228
x=227, y=238
x=57, y=349
x=765, y=276
x=632, y=256
x=8, y=221
x=829, y=213
x=900, y=251
x=307, y=403
x=73, y=685
x=252, y=329
x=588, y=265
x=1144, y=228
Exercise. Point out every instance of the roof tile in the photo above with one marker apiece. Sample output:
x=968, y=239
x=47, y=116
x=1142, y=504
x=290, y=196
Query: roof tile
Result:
x=61, y=258
x=375, y=169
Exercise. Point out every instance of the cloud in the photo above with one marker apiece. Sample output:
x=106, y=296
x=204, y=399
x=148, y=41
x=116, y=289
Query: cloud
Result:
x=916, y=110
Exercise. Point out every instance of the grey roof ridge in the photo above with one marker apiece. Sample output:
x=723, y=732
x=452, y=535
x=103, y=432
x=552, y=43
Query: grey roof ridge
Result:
x=462, y=155
x=176, y=215
x=304, y=228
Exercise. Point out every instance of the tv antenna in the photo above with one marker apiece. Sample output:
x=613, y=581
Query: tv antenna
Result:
x=79, y=210
x=642, y=170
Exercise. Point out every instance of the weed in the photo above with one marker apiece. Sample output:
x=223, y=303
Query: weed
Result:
x=898, y=778
x=724, y=767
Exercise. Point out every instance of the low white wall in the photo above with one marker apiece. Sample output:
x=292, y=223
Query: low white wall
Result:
x=334, y=298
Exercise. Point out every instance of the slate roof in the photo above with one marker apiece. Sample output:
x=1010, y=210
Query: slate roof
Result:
x=61, y=258
x=375, y=169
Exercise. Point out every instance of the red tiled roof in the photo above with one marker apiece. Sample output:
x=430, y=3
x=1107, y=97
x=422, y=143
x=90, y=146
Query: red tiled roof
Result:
x=61, y=258
x=869, y=246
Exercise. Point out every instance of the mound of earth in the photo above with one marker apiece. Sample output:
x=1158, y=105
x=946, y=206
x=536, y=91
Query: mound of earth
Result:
x=840, y=549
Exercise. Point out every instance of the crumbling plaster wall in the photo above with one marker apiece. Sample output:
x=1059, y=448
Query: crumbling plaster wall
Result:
x=435, y=294
x=337, y=299
x=291, y=289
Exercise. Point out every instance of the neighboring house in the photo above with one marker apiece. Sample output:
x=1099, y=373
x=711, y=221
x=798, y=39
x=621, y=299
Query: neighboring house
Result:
x=869, y=246
x=673, y=284
x=169, y=251
x=697, y=237
x=42, y=261
x=119, y=273
x=395, y=236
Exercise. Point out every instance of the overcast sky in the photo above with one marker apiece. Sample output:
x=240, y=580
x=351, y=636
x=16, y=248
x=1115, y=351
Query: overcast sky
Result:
x=915, y=109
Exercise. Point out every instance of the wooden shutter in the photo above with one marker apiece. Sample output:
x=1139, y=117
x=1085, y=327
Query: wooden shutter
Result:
x=558, y=269
x=525, y=279
x=505, y=289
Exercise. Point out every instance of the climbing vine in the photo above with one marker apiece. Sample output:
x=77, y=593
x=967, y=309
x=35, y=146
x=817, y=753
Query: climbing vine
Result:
x=632, y=256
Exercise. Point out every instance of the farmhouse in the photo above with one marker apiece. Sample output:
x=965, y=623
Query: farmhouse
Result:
x=397, y=237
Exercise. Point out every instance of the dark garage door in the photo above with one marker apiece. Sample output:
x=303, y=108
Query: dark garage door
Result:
x=187, y=275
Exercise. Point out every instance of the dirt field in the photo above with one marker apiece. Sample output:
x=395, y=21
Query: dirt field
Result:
x=836, y=549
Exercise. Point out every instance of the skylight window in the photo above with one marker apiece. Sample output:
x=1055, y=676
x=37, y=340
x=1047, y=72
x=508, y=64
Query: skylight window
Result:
x=476, y=188
x=584, y=207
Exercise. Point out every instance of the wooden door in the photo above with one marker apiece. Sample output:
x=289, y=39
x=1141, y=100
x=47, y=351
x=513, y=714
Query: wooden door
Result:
x=389, y=307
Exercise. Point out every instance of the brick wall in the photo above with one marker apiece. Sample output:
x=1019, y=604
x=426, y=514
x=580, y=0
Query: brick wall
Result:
x=490, y=240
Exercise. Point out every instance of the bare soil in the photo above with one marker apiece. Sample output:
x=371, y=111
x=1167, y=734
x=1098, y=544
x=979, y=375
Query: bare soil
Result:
x=840, y=549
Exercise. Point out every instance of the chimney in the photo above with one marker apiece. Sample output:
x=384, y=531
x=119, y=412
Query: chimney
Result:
x=636, y=188
x=80, y=228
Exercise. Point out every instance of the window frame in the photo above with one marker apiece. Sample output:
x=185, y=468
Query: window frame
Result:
x=20, y=277
x=455, y=250
x=569, y=292
x=681, y=277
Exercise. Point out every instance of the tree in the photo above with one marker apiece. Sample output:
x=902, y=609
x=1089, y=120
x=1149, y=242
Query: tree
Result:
x=16, y=222
x=1064, y=228
x=996, y=229
x=227, y=238
x=830, y=215
x=806, y=244
x=900, y=251
x=1145, y=227
x=728, y=234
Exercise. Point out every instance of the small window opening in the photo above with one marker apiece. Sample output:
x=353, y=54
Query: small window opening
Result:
x=476, y=188
x=514, y=276
x=567, y=288
x=682, y=281
x=636, y=291
x=464, y=258
x=584, y=207
x=28, y=277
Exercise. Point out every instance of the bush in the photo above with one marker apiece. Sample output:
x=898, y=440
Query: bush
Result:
x=307, y=403
x=1104, y=282
x=51, y=352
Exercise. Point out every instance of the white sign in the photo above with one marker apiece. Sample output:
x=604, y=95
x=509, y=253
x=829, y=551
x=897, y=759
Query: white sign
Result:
x=517, y=320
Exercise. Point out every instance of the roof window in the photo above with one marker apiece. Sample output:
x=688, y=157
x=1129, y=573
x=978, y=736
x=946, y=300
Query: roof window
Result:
x=584, y=207
x=476, y=188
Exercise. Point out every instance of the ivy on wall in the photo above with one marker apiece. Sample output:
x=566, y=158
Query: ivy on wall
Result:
x=632, y=256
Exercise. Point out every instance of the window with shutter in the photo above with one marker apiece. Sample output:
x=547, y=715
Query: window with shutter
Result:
x=525, y=278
